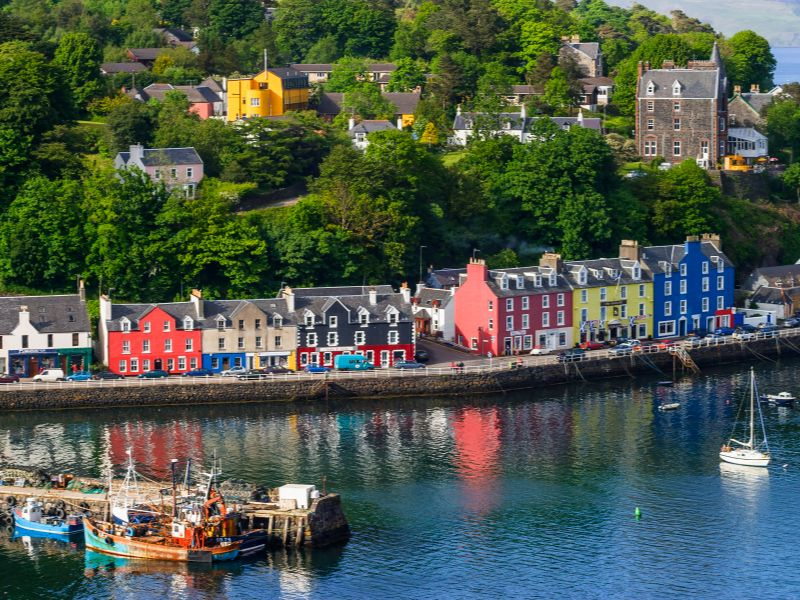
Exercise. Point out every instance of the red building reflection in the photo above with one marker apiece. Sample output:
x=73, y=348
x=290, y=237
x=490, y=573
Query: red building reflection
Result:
x=477, y=439
x=154, y=446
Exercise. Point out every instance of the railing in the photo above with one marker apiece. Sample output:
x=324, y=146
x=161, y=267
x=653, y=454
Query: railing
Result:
x=487, y=365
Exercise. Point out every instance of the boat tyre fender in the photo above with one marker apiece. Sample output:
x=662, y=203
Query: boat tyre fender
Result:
x=9, y=528
x=60, y=513
x=95, y=533
x=60, y=505
x=84, y=505
x=109, y=541
x=88, y=514
x=11, y=501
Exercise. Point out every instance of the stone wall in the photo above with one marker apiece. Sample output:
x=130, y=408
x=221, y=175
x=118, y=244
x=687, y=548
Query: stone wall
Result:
x=403, y=385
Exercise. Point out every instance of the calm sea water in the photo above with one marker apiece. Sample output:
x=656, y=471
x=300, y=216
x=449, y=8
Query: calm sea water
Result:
x=788, y=68
x=529, y=495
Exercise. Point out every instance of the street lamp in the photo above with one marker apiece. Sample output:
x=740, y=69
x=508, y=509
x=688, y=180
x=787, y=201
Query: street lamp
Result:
x=420, y=262
x=474, y=252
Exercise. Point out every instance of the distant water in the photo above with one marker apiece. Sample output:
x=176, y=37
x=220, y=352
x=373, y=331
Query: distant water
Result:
x=788, y=69
x=521, y=495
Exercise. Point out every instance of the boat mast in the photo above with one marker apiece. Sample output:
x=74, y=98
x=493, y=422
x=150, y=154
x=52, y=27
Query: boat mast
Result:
x=174, y=489
x=752, y=408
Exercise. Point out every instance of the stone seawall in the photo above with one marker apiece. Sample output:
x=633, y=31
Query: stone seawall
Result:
x=404, y=385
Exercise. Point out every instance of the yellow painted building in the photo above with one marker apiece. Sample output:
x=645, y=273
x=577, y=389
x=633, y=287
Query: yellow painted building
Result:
x=270, y=93
x=611, y=298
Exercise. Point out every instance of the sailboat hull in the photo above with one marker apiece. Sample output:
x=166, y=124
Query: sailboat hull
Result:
x=748, y=458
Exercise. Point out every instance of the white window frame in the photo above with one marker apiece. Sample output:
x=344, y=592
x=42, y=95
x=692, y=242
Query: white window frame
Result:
x=509, y=304
x=525, y=302
x=123, y=366
x=668, y=288
x=546, y=319
x=189, y=345
x=311, y=340
x=394, y=337
x=720, y=282
x=560, y=318
x=545, y=300
x=668, y=308
x=705, y=304
x=360, y=338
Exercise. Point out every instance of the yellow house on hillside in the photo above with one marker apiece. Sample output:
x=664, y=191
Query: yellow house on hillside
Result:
x=270, y=93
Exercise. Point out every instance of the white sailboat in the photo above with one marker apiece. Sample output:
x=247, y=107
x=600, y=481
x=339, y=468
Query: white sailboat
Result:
x=749, y=453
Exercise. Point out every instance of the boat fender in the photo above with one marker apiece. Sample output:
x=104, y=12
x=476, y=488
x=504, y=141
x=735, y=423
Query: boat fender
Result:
x=9, y=528
x=84, y=505
x=88, y=514
x=95, y=532
x=60, y=513
x=109, y=541
x=11, y=501
x=60, y=505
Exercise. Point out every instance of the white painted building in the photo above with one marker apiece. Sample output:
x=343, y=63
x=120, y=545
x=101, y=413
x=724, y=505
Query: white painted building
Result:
x=434, y=312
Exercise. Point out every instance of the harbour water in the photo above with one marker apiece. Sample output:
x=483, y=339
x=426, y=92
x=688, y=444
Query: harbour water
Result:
x=788, y=67
x=519, y=495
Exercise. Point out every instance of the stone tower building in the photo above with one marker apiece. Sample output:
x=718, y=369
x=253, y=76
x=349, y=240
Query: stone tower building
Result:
x=682, y=112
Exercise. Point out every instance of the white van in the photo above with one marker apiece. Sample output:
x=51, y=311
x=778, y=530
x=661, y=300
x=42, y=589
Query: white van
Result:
x=50, y=375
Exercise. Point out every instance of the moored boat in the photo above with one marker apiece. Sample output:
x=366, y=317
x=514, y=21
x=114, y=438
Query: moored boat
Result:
x=779, y=399
x=178, y=542
x=669, y=406
x=750, y=453
x=30, y=519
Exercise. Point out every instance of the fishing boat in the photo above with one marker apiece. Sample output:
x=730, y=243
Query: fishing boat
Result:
x=780, y=399
x=669, y=406
x=31, y=520
x=665, y=383
x=749, y=453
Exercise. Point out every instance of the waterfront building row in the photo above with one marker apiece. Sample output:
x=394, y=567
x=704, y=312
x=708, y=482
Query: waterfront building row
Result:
x=654, y=291
x=301, y=327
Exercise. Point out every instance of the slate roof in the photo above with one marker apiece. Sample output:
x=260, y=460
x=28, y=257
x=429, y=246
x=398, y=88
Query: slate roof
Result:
x=658, y=257
x=785, y=276
x=123, y=67
x=774, y=295
x=370, y=126
x=404, y=102
x=382, y=67
x=173, y=32
x=286, y=72
x=378, y=313
x=600, y=272
x=590, y=49
x=758, y=101
x=212, y=84
x=426, y=296
x=135, y=312
x=158, y=91
x=695, y=83
x=590, y=84
x=146, y=53
x=466, y=121
x=159, y=157
x=273, y=306
x=444, y=278
x=528, y=287
x=48, y=314
x=330, y=103
x=523, y=90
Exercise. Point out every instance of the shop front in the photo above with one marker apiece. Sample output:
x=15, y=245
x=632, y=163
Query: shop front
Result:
x=27, y=363
x=262, y=360
x=73, y=360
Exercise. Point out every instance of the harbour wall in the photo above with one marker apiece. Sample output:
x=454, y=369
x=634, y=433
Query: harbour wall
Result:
x=498, y=378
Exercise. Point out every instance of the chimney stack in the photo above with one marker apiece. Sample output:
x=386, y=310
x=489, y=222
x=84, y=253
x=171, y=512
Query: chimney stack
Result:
x=713, y=238
x=24, y=315
x=630, y=250
x=406, y=292
x=737, y=89
x=137, y=152
x=351, y=122
x=196, y=298
x=551, y=260
x=754, y=88
x=399, y=123
x=81, y=290
x=105, y=308
x=288, y=295
x=373, y=297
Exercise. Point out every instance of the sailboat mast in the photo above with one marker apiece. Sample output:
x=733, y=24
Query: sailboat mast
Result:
x=752, y=407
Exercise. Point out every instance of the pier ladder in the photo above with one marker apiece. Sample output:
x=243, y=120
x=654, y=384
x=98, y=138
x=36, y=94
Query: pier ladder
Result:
x=684, y=357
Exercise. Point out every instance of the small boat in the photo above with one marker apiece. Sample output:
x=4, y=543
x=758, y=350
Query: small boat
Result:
x=749, y=453
x=665, y=383
x=30, y=519
x=781, y=399
x=670, y=406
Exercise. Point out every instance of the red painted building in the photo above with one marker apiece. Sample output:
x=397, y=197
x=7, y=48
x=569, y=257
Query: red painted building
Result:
x=509, y=311
x=137, y=338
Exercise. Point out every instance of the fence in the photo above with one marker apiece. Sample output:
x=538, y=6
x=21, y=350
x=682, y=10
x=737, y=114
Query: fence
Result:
x=488, y=365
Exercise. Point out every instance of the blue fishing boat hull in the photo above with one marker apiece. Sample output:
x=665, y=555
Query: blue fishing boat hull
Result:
x=61, y=527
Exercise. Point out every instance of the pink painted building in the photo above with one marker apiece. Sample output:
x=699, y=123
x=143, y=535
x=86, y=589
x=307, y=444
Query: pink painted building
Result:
x=509, y=311
x=178, y=168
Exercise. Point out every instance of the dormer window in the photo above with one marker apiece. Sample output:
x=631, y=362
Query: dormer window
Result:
x=309, y=320
x=582, y=277
x=537, y=281
x=637, y=272
x=504, y=283
x=614, y=273
x=125, y=324
x=651, y=88
x=221, y=324
x=720, y=265
x=553, y=279
x=520, y=282
x=676, y=88
x=188, y=323
x=363, y=317
x=468, y=123
x=277, y=321
x=392, y=316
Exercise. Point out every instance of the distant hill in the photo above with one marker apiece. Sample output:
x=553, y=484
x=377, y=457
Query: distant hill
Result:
x=776, y=20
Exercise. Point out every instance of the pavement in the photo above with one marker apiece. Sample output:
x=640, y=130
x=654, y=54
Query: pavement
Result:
x=442, y=356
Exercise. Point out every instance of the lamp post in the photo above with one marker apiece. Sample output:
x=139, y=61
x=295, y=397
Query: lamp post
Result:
x=474, y=252
x=420, y=262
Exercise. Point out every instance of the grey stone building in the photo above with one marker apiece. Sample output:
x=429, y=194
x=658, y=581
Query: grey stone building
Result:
x=683, y=112
x=587, y=55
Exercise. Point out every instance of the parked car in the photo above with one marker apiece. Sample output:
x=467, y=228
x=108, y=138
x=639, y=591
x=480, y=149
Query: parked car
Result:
x=666, y=344
x=9, y=378
x=408, y=364
x=252, y=374
x=587, y=345
x=618, y=341
x=571, y=355
x=723, y=331
x=694, y=342
x=107, y=375
x=276, y=370
x=768, y=331
x=234, y=371
x=198, y=373
x=793, y=322
x=421, y=356
x=743, y=335
x=540, y=350
x=50, y=375
x=154, y=374
x=79, y=376
x=621, y=350
x=316, y=369
x=748, y=328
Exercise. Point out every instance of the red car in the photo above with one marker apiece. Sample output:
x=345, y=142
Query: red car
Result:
x=592, y=345
x=9, y=378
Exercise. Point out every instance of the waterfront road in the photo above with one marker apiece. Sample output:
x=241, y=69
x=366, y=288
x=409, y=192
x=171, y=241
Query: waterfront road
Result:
x=442, y=355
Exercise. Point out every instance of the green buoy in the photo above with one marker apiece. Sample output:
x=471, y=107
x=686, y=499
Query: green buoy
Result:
x=637, y=513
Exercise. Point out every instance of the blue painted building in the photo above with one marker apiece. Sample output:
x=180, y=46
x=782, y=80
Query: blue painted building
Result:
x=692, y=286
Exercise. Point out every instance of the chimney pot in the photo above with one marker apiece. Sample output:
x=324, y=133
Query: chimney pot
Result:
x=373, y=296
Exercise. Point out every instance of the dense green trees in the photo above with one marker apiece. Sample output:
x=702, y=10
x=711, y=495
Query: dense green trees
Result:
x=750, y=60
